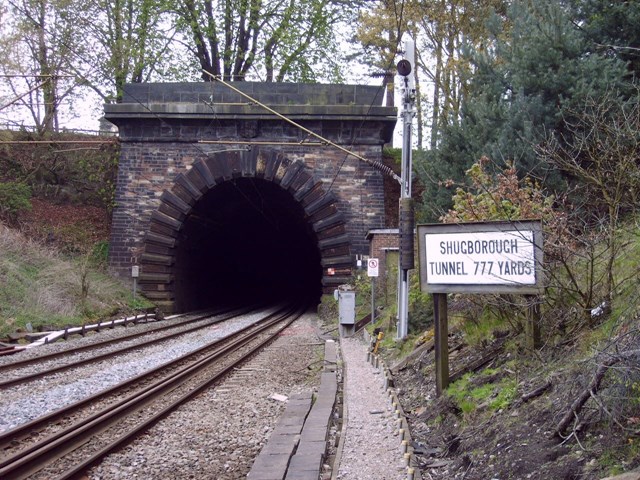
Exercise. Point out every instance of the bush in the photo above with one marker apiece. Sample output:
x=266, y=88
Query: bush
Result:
x=100, y=255
x=578, y=258
x=503, y=196
x=14, y=198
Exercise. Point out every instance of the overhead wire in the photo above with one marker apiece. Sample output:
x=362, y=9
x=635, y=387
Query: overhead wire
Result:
x=262, y=207
x=145, y=104
x=78, y=76
x=19, y=97
x=348, y=152
x=381, y=167
x=399, y=21
x=374, y=163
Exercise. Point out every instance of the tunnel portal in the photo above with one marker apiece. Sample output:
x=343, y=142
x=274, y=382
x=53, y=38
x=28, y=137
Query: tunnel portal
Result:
x=246, y=238
x=219, y=200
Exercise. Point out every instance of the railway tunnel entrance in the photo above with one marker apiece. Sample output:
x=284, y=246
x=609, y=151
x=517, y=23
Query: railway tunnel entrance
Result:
x=246, y=238
x=240, y=227
x=219, y=198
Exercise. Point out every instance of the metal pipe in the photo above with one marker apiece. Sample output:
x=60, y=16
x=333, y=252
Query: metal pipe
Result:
x=408, y=112
x=226, y=142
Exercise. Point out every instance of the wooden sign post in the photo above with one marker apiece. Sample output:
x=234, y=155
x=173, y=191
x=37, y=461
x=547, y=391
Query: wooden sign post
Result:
x=441, y=343
x=483, y=257
x=532, y=327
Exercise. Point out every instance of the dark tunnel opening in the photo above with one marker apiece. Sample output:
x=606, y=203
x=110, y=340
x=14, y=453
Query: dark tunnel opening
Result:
x=246, y=240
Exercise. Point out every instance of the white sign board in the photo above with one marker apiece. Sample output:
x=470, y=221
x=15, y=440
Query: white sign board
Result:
x=489, y=258
x=492, y=257
x=372, y=267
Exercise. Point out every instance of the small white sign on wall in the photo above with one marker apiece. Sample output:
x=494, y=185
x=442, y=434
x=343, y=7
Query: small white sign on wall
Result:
x=372, y=267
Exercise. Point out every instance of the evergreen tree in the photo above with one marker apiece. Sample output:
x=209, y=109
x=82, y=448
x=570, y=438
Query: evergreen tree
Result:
x=536, y=68
x=613, y=29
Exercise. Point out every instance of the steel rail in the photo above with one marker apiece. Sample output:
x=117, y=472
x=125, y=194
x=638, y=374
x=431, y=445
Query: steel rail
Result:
x=16, y=434
x=200, y=316
x=61, y=142
x=95, y=345
x=38, y=455
x=95, y=459
x=60, y=368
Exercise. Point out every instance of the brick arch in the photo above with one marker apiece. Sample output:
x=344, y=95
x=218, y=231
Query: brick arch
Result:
x=320, y=206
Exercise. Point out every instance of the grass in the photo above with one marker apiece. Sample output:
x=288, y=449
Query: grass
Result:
x=42, y=288
x=475, y=331
x=392, y=347
x=571, y=341
x=625, y=306
x=616, y=459
x=488, y=389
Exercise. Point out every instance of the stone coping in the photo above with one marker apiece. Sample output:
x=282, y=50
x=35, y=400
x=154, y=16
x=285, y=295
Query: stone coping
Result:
x=270, y=93
x=202, y=111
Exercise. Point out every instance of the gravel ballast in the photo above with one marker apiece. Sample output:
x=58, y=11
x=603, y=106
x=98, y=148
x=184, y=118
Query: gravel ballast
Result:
x=218, y=434
x=22, y=403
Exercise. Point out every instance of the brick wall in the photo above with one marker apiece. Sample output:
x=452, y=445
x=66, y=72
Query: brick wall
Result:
x=381, y=242
x=160, y=141
x=147, y=169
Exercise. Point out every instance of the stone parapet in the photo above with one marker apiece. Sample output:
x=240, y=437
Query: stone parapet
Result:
x=271, y=93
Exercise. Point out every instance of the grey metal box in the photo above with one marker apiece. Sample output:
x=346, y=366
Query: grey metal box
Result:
x=347, y=307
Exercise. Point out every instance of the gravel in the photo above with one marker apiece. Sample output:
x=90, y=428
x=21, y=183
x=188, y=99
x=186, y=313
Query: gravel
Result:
x=91, y=337
x=22, y=403
x=219, y=433
x=371, y=446
x=152, y=334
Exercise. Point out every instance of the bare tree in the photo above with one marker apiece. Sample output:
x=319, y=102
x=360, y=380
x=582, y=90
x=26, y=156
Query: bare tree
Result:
x=133, y=40
x=36, y=50
x=621, y=365
x=448, y=27
x=271, y=40
x=599, y=148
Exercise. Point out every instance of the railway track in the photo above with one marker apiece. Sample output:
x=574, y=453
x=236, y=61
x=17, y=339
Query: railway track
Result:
x=78, y=436
x=89, y=354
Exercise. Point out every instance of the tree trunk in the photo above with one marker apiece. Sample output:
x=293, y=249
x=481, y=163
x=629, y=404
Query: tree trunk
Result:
x=48, y=80
x=437, y=86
